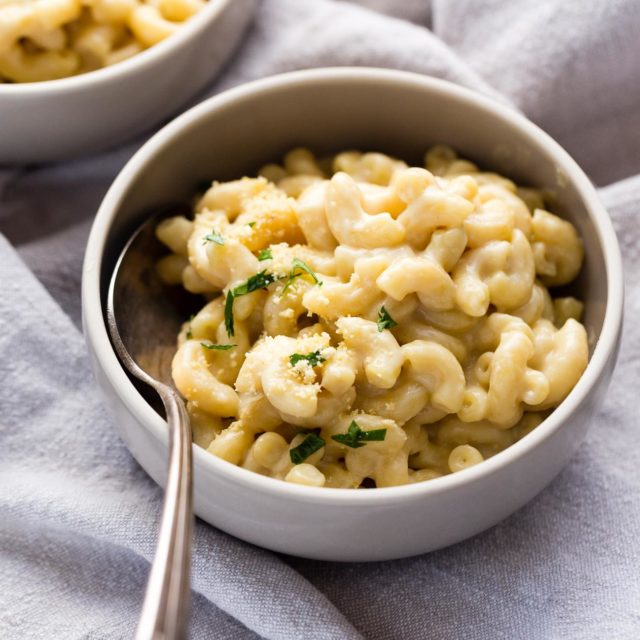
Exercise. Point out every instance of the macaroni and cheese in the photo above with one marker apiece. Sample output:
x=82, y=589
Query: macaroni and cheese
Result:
x=51, y=39
x=370, y=323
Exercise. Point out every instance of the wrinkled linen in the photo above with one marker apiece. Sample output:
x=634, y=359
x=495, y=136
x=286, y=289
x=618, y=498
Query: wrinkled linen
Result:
x=78, y=516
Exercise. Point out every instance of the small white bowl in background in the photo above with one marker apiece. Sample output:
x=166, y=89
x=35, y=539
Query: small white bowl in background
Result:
x=329, y=110
x=91, y=112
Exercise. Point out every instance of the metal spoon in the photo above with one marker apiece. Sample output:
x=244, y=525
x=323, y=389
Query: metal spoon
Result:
x=143, y=325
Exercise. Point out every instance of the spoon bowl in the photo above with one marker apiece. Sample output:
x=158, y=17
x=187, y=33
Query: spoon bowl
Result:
x=143, y=327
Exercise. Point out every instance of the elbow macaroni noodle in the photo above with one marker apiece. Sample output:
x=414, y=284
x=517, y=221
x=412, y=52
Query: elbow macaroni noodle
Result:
x=421, y=314
x=51, y=39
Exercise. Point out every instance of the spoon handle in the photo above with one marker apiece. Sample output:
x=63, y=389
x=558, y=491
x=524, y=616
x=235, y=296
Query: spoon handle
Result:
x=166, y=603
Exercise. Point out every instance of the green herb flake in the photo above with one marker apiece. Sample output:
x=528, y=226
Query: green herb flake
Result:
x=217, y=347
x=264, y=254
x=258, y=281
x=356, y=437
x=214, y=236
x=189, y=332
x=228, y=314
x=300, y=268
x=251, y=224
x=385, y=321
x=314, y=358
x=307, y=447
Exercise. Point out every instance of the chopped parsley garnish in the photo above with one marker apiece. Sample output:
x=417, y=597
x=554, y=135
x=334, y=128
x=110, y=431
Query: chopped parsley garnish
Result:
x=251, y=224
x=356, y=437
x=385, y=321
x=228, y=314
x=214, y=236
x=314, y=358
x=260, y=280
x=264, y=254
x=218, y=347
x=307, y=447
x=299, y=268
x=189, y=332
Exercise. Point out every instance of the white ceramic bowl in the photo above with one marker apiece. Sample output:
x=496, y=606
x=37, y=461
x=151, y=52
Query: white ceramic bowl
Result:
x=60, y=119
x=328, y=110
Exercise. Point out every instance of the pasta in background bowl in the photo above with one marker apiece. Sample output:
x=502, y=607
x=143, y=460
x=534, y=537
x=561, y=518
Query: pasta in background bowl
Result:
x=372, y=324
x=50, y=39
x=399, y=115
x=146, y=58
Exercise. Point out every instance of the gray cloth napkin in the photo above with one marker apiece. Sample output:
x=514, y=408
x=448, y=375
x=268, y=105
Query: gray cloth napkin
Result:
x=78, y=516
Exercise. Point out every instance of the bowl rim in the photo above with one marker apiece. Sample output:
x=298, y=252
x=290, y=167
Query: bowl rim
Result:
x=98, y=340
x=138, y=62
